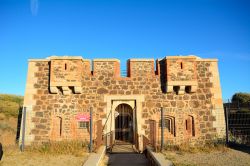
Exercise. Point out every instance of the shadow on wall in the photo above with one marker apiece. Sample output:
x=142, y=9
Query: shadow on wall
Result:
x=163, y=78
x=19, y=120
x=242, y=148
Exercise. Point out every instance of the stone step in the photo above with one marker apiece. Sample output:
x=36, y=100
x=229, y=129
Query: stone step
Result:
x=131, y=159
x=123, y=149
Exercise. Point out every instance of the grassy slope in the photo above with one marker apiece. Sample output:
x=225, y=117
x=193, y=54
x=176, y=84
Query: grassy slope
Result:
x=10, y=104
x=9, y=110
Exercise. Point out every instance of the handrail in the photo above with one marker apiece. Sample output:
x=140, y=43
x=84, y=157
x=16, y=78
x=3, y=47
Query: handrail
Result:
x=106, y=120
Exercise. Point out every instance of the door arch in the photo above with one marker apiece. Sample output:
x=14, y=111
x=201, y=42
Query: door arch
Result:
x=124, y=123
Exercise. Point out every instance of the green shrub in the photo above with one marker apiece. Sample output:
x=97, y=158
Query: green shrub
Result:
x=241, y=98
x=12, y=98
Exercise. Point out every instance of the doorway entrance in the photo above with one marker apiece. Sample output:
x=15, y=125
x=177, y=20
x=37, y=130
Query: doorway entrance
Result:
x=124, y=123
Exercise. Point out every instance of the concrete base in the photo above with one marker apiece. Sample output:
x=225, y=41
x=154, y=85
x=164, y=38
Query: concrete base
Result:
x=158, y=158
x=96, y=158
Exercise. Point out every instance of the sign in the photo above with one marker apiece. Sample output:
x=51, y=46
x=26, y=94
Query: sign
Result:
x=83, y=117
x=116, y=113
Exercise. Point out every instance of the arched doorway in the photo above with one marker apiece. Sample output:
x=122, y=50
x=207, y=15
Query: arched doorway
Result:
x=124, y=123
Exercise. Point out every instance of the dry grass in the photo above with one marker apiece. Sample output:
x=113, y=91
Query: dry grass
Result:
x=230, y=157
x=208, y=147
x=14, y=157
x=10, y=104
x=76, y=148
x=8, y=129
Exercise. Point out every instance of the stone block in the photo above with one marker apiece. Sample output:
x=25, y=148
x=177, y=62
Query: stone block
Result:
x=78, y=89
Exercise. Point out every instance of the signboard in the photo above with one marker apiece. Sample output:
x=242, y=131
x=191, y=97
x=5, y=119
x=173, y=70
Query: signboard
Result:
x=83, y=117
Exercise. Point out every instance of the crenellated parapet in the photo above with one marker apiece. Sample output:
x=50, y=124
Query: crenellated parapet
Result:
x=178, y=73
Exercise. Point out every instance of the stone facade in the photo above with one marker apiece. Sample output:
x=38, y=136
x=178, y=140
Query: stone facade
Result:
x=186, y=87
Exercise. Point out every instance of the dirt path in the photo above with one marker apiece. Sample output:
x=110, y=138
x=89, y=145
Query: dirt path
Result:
x=230, y=157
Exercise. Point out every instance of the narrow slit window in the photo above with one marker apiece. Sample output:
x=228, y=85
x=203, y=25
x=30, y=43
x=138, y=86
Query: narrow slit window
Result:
x=65, y=66
x=193, y=129
x=60, y=126
x=189, y=125
x=181, y=65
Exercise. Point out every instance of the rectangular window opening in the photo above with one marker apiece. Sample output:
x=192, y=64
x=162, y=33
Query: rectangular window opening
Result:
x=83, y=125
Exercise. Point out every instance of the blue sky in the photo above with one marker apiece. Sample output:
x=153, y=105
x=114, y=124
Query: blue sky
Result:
x=125, y=29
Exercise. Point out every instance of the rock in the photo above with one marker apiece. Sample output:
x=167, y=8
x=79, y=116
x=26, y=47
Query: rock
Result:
x=102, y=91
x=39, y=114
x=180, y=104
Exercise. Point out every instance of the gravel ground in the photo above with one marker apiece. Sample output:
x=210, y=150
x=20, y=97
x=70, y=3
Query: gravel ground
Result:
x=230, y=157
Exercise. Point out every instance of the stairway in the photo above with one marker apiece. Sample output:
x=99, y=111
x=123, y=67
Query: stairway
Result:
x=122, y=147
x=123, y=154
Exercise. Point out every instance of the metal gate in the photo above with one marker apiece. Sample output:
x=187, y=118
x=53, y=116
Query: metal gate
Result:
x=124, y=123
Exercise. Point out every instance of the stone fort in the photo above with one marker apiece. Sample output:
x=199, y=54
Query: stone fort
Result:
x=60, y=89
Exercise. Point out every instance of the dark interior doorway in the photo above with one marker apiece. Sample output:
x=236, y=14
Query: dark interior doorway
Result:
x=124, y=123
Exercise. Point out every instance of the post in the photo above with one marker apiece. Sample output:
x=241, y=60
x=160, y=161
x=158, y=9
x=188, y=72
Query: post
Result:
x=227, y=125
x=238, y=104
x=106, y=141
x=23, y=128
x=162, y=129
x=91, y=128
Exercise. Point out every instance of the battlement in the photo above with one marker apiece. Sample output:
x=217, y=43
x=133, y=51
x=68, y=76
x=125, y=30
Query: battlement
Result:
x=179, y=73
x=140, y=67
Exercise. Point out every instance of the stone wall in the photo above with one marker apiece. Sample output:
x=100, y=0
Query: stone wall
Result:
x=192, y=114
x=181, y=68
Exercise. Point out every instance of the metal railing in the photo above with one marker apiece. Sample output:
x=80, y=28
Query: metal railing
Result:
x=238, y=123
x=124, y=73
x=108, y=140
